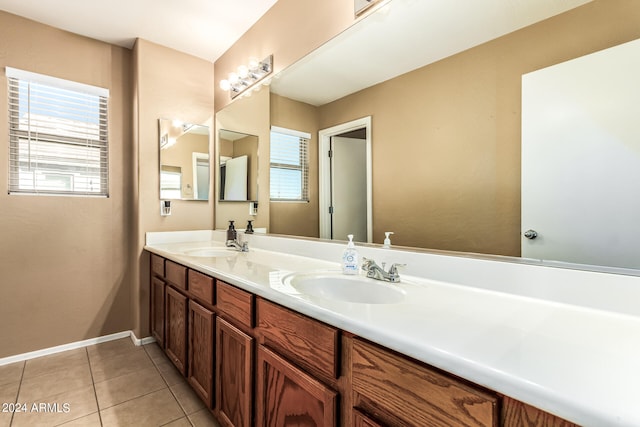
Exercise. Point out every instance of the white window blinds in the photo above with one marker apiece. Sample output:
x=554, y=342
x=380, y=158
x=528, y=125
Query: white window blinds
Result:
x=58, y=136
x=289, y=172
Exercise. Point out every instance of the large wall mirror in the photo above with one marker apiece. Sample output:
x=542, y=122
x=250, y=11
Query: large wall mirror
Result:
x=443, y=87
x=238, y=166
x=184, y=160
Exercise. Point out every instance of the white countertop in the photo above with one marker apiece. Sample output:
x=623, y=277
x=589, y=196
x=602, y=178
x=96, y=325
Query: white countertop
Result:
x=579, y=362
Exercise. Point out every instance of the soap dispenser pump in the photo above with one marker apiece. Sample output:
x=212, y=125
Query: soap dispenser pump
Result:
x=387, y=240
x=350, y=258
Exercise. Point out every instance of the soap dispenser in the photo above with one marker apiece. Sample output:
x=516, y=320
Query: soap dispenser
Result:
x=232, y=234
x=387, y=240
x=249, y=229
x=350, y=258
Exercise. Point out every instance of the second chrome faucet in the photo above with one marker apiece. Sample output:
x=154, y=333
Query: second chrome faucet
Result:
x=374, y=271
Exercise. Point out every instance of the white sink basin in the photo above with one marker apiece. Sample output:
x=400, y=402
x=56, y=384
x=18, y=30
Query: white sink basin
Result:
x=211, y=252
x=336, y=286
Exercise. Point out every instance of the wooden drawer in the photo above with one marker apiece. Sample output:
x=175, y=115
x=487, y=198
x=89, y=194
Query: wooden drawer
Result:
x=235, y=304
x=305, y=341
x=417, y=394
x=176, y=274
x=201, y=287
x=361, y=420
x=157, y=265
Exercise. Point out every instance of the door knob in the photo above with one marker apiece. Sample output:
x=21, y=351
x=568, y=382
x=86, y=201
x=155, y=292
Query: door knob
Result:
x=530, y=234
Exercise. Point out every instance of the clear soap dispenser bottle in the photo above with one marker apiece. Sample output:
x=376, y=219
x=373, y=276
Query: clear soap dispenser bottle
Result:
x=387, y=240
x=350, y=263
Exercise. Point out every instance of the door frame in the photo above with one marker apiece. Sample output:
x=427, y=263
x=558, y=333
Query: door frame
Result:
x=324, y=173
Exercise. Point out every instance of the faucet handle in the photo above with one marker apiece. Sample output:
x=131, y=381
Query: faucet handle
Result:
x=393, y=270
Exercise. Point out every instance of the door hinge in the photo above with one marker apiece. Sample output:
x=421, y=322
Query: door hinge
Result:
x=330, y=210
x=330, y=153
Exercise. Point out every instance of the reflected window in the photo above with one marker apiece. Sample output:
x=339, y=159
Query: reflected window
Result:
x=289, y=171
x=170, y=182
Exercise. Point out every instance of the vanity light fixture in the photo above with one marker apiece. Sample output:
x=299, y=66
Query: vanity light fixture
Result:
x=247, y=75
x=362, y=6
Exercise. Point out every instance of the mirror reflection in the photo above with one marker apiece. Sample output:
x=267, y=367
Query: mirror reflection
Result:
x=446, y=134
x=184, y=160
x=238, y=166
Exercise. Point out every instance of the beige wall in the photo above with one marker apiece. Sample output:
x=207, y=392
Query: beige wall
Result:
x=174, y=85
x=300, y=219
x=446, y=138
x=66, y=261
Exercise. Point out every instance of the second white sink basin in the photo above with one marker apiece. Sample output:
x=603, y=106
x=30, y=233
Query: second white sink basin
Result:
x=336, y=286
x=211, y=252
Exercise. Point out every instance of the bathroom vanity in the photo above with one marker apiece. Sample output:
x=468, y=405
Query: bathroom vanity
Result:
x=261, y=346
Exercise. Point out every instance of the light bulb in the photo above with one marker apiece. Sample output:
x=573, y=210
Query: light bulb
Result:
x=243, y=71
x=233, y=78
x=225, y=85
x=253, y=63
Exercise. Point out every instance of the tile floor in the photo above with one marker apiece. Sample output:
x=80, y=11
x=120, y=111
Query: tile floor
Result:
x=109, y=384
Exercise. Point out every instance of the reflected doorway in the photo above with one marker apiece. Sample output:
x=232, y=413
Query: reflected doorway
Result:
x=345, y=181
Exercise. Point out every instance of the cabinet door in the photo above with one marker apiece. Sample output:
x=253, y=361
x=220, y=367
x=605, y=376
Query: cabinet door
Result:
x=361, y=420
x=287, y=396
x=518, y=414
x=234, y=375
x=176, y=328
x=200, y=348
x=157, y=310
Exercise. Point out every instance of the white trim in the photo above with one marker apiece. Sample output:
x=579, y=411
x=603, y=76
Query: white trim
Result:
x=56, y=82
x=78, y=344
x=291, y=132
x=324, y=170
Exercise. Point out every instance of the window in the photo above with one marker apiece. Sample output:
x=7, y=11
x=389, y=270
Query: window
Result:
x=58, y=136
x=289, y=173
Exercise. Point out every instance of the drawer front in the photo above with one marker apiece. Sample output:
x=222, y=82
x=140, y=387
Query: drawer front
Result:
x=235, y=303
x=417, y=394
x=157, y=265
x=176, y=274
x=201, y=287
x=309, y=343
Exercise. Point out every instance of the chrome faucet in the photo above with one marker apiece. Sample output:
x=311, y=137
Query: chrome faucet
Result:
x=235, y=243
x=374, y=271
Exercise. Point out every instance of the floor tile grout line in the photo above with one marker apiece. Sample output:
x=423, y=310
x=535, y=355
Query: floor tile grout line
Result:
x=15, y=400
x=93, y=384
x=170, y=390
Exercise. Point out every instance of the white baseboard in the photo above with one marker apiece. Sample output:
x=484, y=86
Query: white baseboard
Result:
x=78, y=344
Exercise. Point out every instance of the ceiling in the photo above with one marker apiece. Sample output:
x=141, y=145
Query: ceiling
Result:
x=203, y=28
x=402, y=36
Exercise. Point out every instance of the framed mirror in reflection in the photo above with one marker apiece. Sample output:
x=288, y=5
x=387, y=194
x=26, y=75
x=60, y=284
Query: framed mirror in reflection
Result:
x=238, y=166
x=184, y=160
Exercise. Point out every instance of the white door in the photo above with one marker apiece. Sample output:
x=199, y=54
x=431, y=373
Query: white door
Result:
x=348, y=188
x=581, y=159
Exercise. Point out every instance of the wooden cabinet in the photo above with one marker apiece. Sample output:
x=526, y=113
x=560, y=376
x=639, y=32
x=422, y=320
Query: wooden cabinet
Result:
x=176, y=328
x=287, y=396
x=235, y=304
x=361, y=420
x=518, y=414
x=311, y=344
x=397, y=388
x=157, y=310
x=234, y=375
x=255, y=362
x=200, y=349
